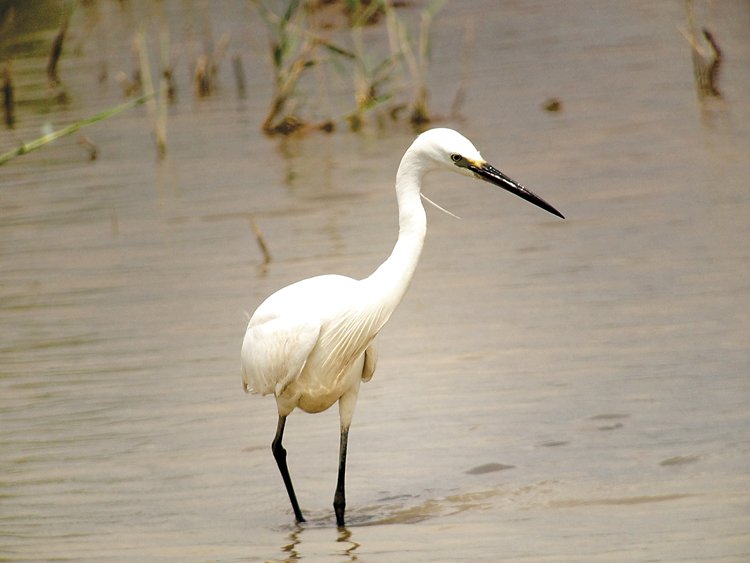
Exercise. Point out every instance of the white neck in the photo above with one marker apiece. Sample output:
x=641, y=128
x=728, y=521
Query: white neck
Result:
x=390, y=281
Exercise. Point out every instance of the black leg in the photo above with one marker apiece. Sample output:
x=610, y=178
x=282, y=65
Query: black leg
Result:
x=279, y=454
x=339, y=500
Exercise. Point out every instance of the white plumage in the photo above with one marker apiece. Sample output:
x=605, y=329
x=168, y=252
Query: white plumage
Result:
x=312, y=343
x=302, y=341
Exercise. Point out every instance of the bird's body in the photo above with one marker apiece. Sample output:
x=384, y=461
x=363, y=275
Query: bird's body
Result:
x=316, y=329
x=312, y=343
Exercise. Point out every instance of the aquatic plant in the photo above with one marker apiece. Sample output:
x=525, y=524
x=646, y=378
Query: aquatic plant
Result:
x=207, y=66
x=369, y=76
x=291, y=55
x=26, y=148
x=416, y=54
x=295, y=47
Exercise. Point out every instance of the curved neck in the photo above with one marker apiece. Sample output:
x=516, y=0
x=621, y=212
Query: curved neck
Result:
x=391, y=280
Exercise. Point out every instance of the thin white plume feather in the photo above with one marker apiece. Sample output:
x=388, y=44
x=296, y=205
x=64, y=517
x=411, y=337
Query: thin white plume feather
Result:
x=443, y=209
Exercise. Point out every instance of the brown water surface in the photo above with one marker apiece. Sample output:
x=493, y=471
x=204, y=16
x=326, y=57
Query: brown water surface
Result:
x=548, y=391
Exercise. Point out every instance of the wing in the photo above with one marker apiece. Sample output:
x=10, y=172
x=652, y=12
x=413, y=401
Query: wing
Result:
x=284, y=330
x=275, y=351
x=324, y=323
x=346, y=337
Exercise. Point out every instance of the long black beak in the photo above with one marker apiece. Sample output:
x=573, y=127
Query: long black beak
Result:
x=494, y=176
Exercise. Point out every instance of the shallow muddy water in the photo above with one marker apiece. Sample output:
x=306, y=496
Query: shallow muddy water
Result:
x=548, y=390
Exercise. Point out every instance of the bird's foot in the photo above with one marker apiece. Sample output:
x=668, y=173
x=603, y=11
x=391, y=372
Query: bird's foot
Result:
x=339, y=509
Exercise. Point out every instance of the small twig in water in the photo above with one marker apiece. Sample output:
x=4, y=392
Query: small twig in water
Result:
x=712, y=72
x=55, y=52
x=89, y=145
x=706, y=62
x=239, y=75
x=260, y=240
x=129, y=87
x=8, y=100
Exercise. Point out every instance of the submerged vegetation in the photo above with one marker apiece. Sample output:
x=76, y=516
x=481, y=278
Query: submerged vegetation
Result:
x=416, y=54
x=375, y=55
x=377, y=50
x=291, y=56
x=366, y=43
x=299, y=40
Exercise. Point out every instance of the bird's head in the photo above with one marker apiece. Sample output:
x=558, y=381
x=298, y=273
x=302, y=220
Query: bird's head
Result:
x=448, y=148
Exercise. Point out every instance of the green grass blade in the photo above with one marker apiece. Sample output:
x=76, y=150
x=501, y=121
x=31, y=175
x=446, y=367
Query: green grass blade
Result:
x=70, y=129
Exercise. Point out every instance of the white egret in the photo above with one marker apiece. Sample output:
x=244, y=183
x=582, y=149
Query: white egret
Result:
x=312, y=342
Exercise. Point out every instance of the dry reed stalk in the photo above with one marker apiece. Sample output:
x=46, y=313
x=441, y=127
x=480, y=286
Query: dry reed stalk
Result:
x=239, y=75
x=706, y=62
x=55, y=53
x=416, y=58
x=156, y=105
x=260, y=239
x=8, y=97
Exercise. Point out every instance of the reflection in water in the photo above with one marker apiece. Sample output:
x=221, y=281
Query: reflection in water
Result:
x=293, y=547
x=345, y=536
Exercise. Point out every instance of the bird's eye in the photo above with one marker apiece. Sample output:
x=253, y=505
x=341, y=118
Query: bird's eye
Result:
x=456, y=157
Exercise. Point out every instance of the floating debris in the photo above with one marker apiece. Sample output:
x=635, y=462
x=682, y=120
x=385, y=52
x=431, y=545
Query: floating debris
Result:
x=553, y=105
x=488, y=468
x=89, y=145
x=679, y=460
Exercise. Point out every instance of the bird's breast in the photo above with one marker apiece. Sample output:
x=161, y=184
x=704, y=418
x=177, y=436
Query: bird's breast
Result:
x=316, y=390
